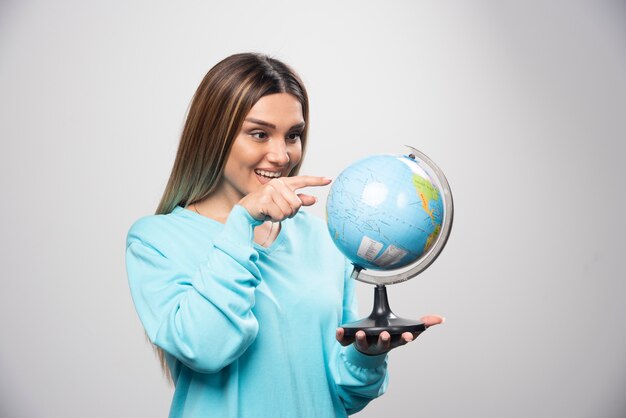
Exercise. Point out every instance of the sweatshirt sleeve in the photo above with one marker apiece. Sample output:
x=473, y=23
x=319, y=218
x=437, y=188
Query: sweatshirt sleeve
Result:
x=359, y=378
x=202, y=318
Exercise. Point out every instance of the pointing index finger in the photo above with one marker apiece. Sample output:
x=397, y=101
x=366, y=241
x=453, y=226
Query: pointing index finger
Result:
x=298, y=182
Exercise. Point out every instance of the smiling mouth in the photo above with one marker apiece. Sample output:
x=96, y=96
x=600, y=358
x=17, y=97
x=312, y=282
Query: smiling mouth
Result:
x=268, y=174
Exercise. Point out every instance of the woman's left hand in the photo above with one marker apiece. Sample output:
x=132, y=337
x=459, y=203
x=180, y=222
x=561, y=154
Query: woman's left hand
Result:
x=384, y=343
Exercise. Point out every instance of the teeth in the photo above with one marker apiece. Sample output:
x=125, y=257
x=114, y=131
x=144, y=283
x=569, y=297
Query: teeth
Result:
x=270, y=174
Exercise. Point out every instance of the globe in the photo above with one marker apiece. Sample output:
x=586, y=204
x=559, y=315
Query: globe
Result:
x=390, y=215
x=386, y=212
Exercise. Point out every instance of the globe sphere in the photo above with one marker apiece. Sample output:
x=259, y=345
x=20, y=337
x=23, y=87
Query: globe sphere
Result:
x=385, y=212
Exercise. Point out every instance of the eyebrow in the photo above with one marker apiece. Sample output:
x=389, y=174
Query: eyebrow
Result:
x=271, y=125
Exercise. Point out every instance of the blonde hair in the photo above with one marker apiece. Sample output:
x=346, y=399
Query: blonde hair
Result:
x=216, y=114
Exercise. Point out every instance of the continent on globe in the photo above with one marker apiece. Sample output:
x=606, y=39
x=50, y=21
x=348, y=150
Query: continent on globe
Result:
x=384, y=212
x=427, y=193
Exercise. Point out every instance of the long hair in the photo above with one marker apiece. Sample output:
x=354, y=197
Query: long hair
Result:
x=215, y=117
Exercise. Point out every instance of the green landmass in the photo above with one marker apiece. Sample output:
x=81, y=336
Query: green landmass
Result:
x=423, y=186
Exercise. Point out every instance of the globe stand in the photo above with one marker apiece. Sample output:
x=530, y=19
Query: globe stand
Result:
x=382, y=319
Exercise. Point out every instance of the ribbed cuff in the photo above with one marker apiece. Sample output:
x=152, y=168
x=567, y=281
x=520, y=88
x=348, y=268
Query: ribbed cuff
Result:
x=356, y=358
x=239, y=226
x=238, y=234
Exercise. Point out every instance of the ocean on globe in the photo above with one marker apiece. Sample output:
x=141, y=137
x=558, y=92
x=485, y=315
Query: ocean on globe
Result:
x=384, y=212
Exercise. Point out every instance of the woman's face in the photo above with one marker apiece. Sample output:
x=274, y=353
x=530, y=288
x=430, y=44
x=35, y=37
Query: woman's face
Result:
x=267, y=146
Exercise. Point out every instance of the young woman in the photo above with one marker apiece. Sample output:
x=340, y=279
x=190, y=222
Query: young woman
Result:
x=239, y=290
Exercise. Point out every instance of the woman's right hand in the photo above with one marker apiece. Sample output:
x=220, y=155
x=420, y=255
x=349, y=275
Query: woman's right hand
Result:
x=278, y=199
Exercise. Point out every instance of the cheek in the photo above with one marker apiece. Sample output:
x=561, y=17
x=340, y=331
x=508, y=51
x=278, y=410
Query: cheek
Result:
x=295, y=154
x=242, y=156
x=236, y=164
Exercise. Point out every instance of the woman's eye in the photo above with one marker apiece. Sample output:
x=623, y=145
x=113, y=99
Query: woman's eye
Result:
x=259, y=135
x=294, y=137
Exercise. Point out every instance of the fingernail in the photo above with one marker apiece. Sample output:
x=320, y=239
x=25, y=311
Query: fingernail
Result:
x=328, y=178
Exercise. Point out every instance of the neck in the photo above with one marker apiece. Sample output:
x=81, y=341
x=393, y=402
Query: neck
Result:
x=218, y=204
x=215, y=210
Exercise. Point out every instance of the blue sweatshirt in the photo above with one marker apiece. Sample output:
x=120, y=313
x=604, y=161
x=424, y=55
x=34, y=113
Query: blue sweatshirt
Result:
x=249, y=331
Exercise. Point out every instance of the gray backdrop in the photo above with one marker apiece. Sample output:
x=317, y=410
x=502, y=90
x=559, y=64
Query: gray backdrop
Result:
x=521, y=103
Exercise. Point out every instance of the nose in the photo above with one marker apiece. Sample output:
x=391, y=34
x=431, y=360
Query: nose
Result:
x=277, y=153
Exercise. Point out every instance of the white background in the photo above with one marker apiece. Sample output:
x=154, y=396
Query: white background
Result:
x=522, y=104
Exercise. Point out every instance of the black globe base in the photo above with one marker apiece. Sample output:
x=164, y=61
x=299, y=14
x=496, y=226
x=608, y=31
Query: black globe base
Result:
x=382, y=319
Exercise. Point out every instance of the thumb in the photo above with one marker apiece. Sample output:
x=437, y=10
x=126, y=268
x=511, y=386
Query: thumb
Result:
x=307, y=200
x=430, y=320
